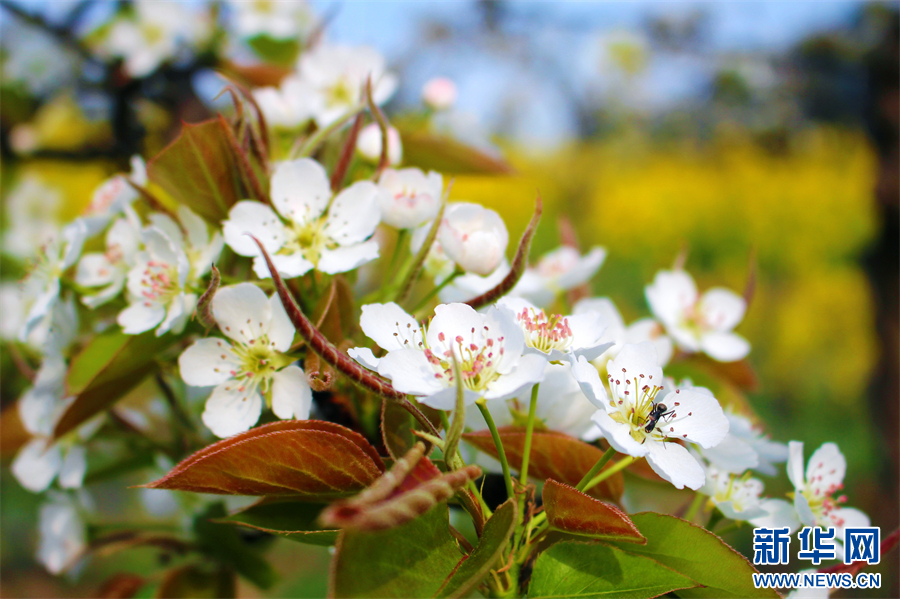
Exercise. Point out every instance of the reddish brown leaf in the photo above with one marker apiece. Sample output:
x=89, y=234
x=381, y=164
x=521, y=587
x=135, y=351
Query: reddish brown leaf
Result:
x=553, y=455
x=120, y=586
x=12, y=432
x=569, y=510
x=307, y=458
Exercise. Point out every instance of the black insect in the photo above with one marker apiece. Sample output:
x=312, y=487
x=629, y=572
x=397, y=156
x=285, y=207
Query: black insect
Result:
x=658, y=411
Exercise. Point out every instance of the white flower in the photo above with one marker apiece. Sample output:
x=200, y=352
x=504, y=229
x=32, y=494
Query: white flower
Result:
x=558, y=271
x=149, y=37
x=54, y=332
x=337, y=75
x=698, y=323
x=488, y=348
x=286, y=106
x=437, y=264
x=746, y=446
x=311, y=229
x=40, y=460
x=439, y=93
x=52, y=261
x=635, y=380
x=110, y=268
x=474, y=237
x=813, y=496
x=645, y=329
x=161, y=284
x=63, y=535
x=249, y=368
x=116, y=193
x=556, y=337
x=409, y=197
x=738, y=498
x=368, y=144
x=41, y=405
x=272, y=18
x=468, y=286
x=30, y=209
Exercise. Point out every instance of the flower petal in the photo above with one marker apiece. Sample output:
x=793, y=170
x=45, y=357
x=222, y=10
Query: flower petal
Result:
x=779, y=513
x=354, y=214
x=390, y=326
x=289, y=266
x=804, y=512
x=409, y=372
x=696, y=417
x=258, y=220
x=74, y=467
x=722, y=309
x=348, y=257
x=230, y=411
x=529, y=371
x=589, y=380
x=291, y=394
x=675, y=464
x=180, y=309
x=94, y=270
x=281, y=330
x=724, y=347
x=36, y=465
x=583, y=269
x=242, y=311
x=634, y=363
x=455, y=320
x=194, y=226
x=731, y=455
x=140, y=317
x=826, y=470
x=207, y=362
x=671, y=294
x=364, y=356
x=300, y=190
x=619, y=435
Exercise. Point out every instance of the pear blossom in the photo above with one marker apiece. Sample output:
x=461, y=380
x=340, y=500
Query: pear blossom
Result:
x=249, y=367
x=29, y=210
x=163, y=282
x=368, y=144
x=63, y=534
x=746, y=446
x=698, y=323
x=488, y=347
x=645, y=329
x=375, y=324
x=109, y=269
x=474, y=237
x=337, y=75
x=439, y=93
x=558, y=271
x=635, y=381
x=437, y=265
x=271, y=18
x=738, y=498
x=52, y=334
x=556, y=337
x=57, y=256
x=286, y=106
x=814, y=491
x=116, y=193
x=311, y=229
x=409, y=197
x=41, y=460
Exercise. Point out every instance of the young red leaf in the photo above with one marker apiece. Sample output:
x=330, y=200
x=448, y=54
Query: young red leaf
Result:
x=553, y=455
x=306, y=458
x=569, y=510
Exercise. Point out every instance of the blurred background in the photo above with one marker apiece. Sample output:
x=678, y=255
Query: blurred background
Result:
x=742, y=133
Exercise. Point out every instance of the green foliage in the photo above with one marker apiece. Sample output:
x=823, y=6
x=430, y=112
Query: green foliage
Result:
x=573, y=569
x=285, y=517
x=226, y=545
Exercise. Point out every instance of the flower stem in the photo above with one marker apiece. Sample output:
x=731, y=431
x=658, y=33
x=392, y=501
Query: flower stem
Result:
x=620, y=465
x=498, y=444
x=597, y=467
x=424, y=301
x=695, y=506
x=529, y=432
x=316, y=138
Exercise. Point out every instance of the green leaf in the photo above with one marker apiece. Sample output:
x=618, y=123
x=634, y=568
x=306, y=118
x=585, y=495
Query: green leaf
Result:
x=293, y=520
x=571, y=511
x=448, y=155
x=397, y=425
x=411, y=560
x=306, y=458
x=574, y=569
x=199, y=170
x=196, y=582
x=697, y=553
x=225, y=544
x=282, y=52
x=107, y=368
x=553, y=455
x=474, y=567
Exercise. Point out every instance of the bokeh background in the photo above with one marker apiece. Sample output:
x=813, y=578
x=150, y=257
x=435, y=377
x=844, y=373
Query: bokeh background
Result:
x=744, y=133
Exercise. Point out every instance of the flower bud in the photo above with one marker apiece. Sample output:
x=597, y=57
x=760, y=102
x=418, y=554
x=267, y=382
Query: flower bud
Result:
x=474, y=237
x=408, y=197
x=368, y=144
x=439, y=93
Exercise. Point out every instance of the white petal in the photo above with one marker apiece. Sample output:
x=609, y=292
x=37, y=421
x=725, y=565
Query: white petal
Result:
x=589, y=380
x=242, y=311
x=74, y=467
x=583, y=270
x=722, y=309
x=160, y=246
x=731, y=455
x=804, y=512
x=670, y=295
x=675, y=464
x=289, y=266
x=619, y=435
x=455, y=320
x=826, y=469
x=194, y=226
x=587, y=334
x=140, y=317
x=180, y=309
x=208, y=362
x=36, y=465
x=167, y=225
x=354, y=214
x=724, y=347
x=445, y=399
x=732, y=513
x=529, y=371
x=779, y=514
x=291, y=395
x=41, y=307
x=409, y=372
x=258, y=220
x=390, y=326
x=364, y=356
x=851, y=517
x=300, y=189
x=281, y=329
x=230, y=411
x=62, y=536
x=795, y=464
x=632, y=362
x=94, y=270
x=348, y=257
x=697, y=417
